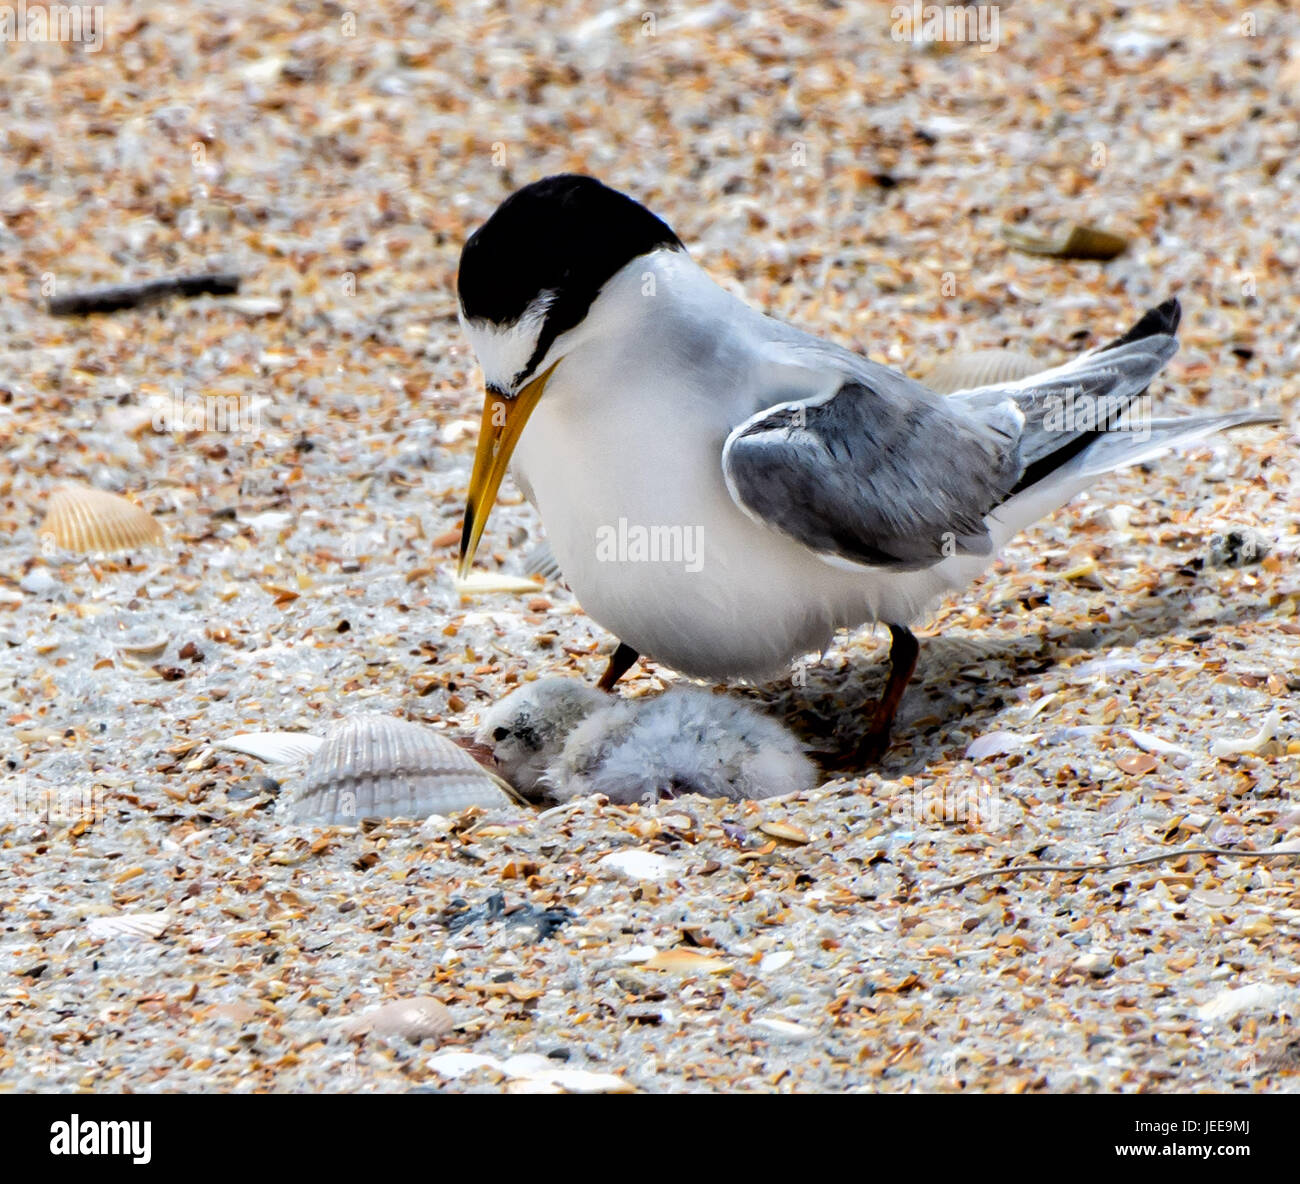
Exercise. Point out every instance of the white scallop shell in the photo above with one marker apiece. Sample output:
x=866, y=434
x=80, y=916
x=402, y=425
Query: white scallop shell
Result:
x=94, y=522
x=981, y=367
x=374, y=766
x=275, y=748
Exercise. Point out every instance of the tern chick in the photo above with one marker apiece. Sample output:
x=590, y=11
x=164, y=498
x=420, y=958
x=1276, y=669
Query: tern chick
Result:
x=686, y=740
x=528, y=728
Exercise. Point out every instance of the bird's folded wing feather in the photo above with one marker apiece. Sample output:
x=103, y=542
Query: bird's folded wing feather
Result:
x=882, y=473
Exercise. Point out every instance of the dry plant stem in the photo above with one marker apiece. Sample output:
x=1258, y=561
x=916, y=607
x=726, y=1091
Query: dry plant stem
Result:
x=123, y=296
x=952, y=885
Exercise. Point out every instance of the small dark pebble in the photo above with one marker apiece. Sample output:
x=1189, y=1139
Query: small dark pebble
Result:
x=641, y=1015
x=559, y=1054
x=253, y=787
x=459, y=915
x=1237, y=548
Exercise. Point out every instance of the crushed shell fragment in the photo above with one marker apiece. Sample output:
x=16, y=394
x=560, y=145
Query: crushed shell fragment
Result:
x=419, y=1018
x=485, y=583
x=139, y=925
x=686, y=962
x=785, y=831
x=1250, y=745
x=1075, y=242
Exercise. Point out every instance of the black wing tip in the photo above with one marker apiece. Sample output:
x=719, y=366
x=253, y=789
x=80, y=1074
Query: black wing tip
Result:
x=1161, y=320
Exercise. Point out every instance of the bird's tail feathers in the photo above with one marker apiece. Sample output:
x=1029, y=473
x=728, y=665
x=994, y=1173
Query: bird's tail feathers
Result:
x=1118, y=450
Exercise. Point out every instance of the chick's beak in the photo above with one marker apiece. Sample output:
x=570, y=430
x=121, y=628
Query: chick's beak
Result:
x=503, y=424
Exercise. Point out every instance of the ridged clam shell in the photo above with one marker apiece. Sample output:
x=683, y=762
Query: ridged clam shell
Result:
x=374, y=766
x=981, y=367
x=94, y=522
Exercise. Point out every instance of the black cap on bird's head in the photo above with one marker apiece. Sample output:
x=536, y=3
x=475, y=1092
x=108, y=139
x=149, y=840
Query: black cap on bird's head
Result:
x=528, y=275
x=565, y=235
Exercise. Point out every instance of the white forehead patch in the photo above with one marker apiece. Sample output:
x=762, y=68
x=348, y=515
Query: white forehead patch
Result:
x=504, y=350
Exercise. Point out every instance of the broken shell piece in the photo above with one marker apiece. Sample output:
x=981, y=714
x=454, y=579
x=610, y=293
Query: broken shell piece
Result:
x=1250, y=745
x=1177, y=756
x=145, y=647
x=642, y=865
x=1084, y=573
x=1075, y=242
x=374, y=766
x=998, y=744
x=981, y=367
x=1098, y=963
x=787, y=832
x=682, y=961
x=481, y=583
x=138, y=925
x=255, y=306
x=1257, y=998
x=1138, y=764
x=94, y=522
x=275, y=748
x=419, y=1018
x=785, y=1029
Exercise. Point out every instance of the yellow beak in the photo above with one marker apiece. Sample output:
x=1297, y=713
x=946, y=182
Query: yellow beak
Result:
x=503, y=424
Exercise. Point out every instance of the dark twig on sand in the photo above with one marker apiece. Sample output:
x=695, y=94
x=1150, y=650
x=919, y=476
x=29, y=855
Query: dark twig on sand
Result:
x=120, y=296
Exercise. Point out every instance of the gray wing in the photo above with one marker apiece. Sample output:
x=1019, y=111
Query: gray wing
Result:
x=883, y=472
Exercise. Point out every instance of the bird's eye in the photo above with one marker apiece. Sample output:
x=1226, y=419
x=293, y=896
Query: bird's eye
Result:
x=500, y=734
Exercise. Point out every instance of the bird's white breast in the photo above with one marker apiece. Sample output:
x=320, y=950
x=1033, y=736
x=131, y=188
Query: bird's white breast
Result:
x=625, y=447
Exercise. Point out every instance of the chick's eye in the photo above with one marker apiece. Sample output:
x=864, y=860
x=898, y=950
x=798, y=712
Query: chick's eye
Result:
x=500, y=734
